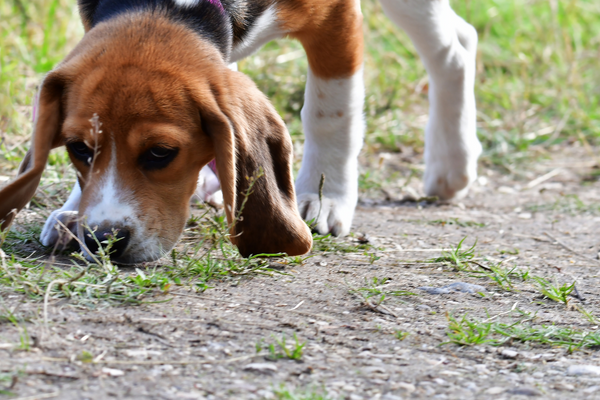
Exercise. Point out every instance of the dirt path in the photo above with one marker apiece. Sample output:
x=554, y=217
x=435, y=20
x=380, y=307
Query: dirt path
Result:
x=199, y=346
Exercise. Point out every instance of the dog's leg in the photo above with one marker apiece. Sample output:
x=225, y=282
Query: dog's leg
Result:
x=53, y=234
x=208, y=188
x=447, y=45
x=333, y=122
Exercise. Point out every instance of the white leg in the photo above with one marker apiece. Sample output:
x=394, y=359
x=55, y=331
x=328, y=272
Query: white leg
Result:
x=208, y=188
x=53, y=234
x=334, y=127
x=447, y=45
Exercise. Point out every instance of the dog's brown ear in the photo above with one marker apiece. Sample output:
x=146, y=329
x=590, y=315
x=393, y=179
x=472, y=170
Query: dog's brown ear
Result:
x=253, y=153
x=46, y=130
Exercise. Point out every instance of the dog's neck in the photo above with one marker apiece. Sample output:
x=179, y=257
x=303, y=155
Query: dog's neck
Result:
x=209, y=19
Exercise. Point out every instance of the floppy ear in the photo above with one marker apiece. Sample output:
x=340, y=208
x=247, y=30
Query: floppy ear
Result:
x=19, y=192
x=253, y=153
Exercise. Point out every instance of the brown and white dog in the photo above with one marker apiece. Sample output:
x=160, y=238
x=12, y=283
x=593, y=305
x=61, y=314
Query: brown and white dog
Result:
x=156, y=74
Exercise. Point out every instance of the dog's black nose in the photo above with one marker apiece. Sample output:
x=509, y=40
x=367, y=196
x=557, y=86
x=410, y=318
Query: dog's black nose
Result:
x=103, y=237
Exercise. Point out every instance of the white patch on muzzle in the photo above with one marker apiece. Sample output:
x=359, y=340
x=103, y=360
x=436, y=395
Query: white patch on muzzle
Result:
x=114, y=206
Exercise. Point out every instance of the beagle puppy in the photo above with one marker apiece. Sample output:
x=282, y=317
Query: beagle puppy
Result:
x=146, y=100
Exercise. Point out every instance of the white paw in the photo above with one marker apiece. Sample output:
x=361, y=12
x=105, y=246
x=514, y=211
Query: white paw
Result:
x=450, y=172
x=208, y=188
x=327, y=216
x=54, y=234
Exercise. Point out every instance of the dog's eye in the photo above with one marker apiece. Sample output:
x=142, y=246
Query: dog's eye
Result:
x=158, y=157
x=80, y=151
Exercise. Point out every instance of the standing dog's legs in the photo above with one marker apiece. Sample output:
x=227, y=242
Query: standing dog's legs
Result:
x=333, y=121
x=447, y=45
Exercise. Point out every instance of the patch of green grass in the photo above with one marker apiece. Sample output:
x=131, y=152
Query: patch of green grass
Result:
x=503, y=276
x=401, y=335
x=464, y=261
x=18, y=241
x=6, y=381
x=551, y=335
x=282, y=349
x=331, y=244
x=554, y=291
x=457, y=222
x=376, y=287
x=588, y=315
x=457, y=257
x=284, y=393
x=24, y=338
x=35, y=36
x=92, y=284
x=568, y=204
x=468, y=331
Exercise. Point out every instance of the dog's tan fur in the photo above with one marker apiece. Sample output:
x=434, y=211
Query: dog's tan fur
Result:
x=188, y=99
x=330, y=32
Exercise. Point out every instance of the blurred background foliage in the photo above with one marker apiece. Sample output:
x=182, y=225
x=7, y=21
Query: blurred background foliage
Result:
x=538, y=81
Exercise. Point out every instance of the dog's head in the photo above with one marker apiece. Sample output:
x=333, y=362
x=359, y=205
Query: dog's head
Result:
x=167, y=105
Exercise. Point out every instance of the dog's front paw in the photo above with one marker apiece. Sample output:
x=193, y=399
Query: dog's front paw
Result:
x=54, y=234
x=328, y=215
x=450, y=172
x=208, y=188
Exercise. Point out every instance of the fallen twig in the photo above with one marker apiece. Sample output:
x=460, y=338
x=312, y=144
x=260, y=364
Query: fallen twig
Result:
x=571, y=250
x=415, y=250
x=575, y=293
x=252, y=305
x=38, y=396
x=53, y=374
x=504, y=313
x=380, y=308
x=543, y=178
x=159, y=362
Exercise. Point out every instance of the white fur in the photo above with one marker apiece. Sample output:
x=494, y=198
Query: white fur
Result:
x=186, y=3
x=333, y=122
x=208, y=188
x=265, y=28
x=447, y=45
x=114, y=206
x=52, y=232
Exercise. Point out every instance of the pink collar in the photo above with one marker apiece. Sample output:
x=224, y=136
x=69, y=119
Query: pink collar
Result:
x=218, y=4
x=213, y=166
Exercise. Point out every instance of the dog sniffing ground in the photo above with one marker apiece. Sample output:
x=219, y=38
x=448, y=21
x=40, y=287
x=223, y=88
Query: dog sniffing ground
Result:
x=352, y=321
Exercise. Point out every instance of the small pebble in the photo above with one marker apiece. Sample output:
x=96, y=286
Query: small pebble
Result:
x=564, y=386
x=525, y=391
x=349, y=388
x=583, y=370
x=591, y=389
x=423, y=307
x=261, y=367
x=471, y=386
x=112, y=372
x=538, y=375
x=454, y=287
x=409, y=387
x=506, y=353
x=495, y=390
